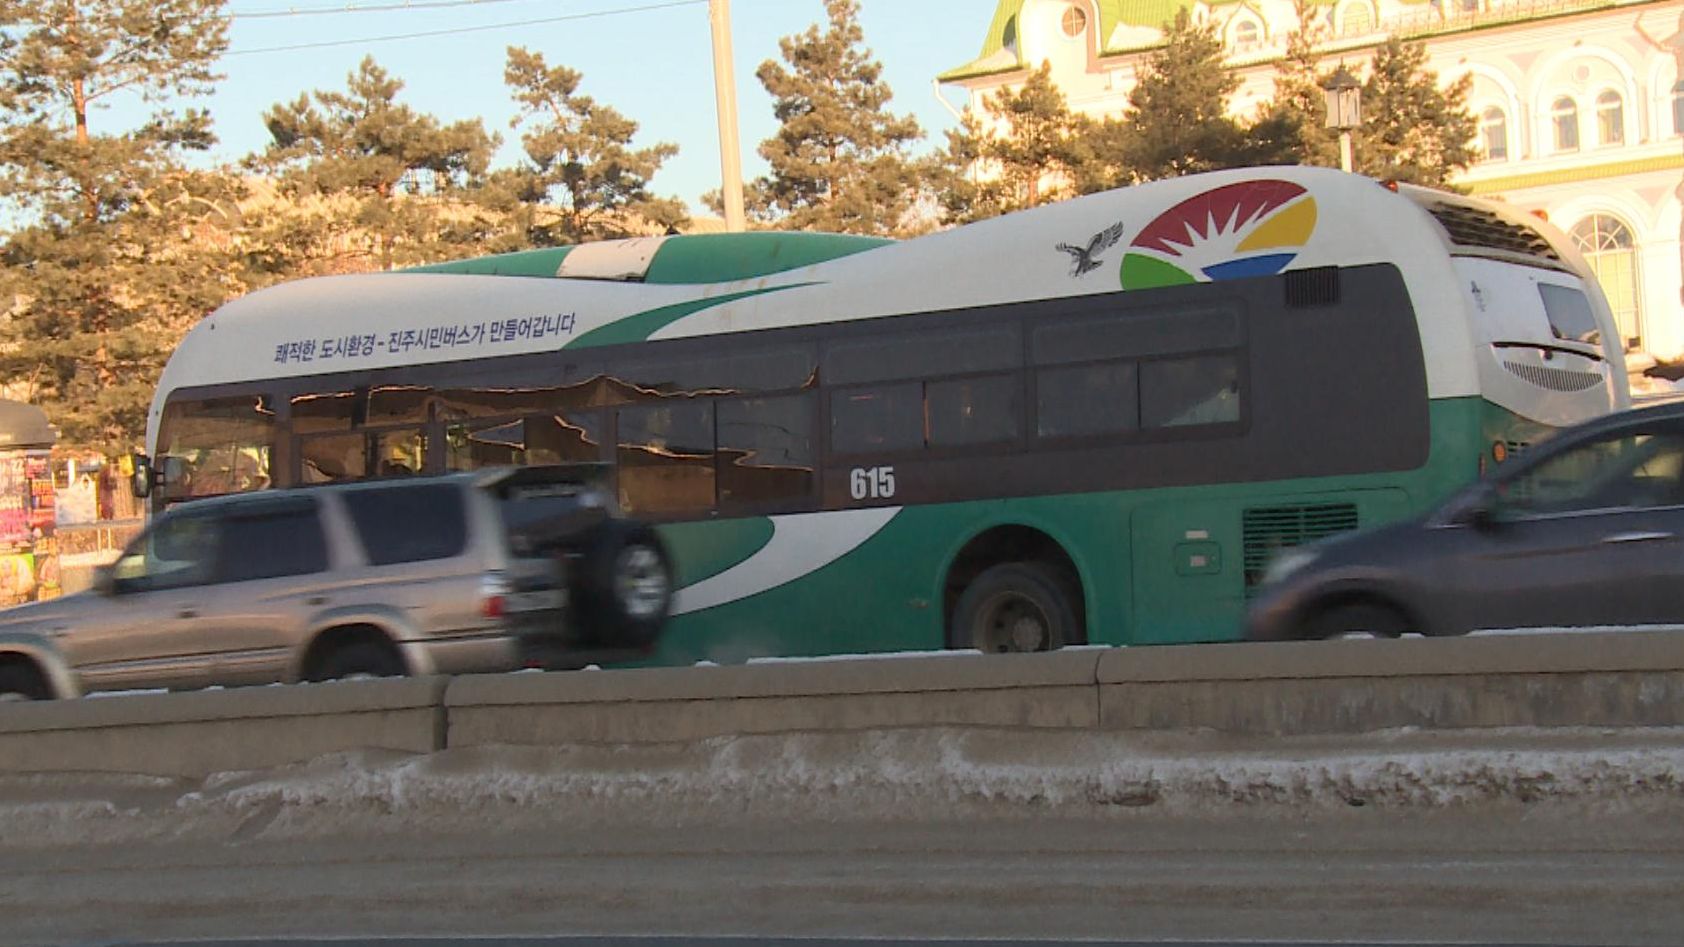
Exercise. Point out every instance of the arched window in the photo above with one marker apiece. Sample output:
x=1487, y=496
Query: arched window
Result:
x=1565, y=114
x=1245, y=36
x=1611, y=251
x=1610, y=118
x=1357, y=19
x=1678, y=107
x=1074, y=21
x=1494, y=134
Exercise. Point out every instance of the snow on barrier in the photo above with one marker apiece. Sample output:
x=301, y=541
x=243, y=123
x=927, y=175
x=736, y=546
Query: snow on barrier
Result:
x=1627, y=679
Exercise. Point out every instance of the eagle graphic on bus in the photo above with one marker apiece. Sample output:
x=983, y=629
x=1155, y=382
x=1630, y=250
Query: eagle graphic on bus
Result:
x=1085, y=259
x=1253, y=228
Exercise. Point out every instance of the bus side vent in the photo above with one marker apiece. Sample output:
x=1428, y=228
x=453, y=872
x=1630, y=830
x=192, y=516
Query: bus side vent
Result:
x=1318, y=286
x=1555, y=379
x=1478, y=227
x=1268, y=530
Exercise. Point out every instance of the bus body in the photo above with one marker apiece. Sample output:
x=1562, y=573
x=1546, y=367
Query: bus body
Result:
x=1146, y=392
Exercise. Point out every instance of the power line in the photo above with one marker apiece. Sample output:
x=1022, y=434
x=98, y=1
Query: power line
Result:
x=464, y=29
x=370, y=8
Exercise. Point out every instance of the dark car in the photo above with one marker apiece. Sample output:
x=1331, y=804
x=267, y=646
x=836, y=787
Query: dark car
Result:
x=1583, y=531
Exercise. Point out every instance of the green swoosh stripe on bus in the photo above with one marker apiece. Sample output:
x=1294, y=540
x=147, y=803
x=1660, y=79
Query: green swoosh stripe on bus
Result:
x=639, y=327
x=706, y=548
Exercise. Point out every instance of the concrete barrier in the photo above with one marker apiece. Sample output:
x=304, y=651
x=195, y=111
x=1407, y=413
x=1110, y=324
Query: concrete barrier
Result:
x=1606, y=680
x=663, y=704
x=203, y=732
x=1622, y=679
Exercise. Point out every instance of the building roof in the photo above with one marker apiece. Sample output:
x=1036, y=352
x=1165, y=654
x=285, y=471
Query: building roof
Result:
x=1000, y=52
x=999, y=46
x=24, y=425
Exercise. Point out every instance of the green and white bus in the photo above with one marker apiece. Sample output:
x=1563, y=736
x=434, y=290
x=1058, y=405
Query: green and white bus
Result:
x=1092, y=422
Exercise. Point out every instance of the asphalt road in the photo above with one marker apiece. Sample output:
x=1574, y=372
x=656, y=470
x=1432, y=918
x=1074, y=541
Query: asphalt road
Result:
x=1508, y=874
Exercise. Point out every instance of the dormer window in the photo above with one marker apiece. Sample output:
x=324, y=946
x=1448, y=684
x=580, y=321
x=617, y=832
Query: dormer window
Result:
x=1245, y=36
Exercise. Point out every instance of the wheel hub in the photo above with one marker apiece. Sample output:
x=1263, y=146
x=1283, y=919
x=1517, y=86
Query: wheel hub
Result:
x=1012, y=623
x=641, y=583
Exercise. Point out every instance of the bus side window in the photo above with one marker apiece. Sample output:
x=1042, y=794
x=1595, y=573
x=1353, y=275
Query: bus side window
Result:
x=1084, y=400
x=665, y=454
x=765, y=452
x=484, y=444
x=566, y=437
x=879, y=419
x=401, y=452
x=332, y=458
x=977, y=410
x=1187, y=391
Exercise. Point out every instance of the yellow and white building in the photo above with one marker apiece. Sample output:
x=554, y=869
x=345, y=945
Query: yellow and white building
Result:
x=1580, y=104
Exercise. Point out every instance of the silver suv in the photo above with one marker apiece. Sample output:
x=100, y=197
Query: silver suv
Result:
x=489, y=571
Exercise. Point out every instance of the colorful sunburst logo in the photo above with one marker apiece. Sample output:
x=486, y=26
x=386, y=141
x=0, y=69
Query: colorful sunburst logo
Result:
x=1254, y=228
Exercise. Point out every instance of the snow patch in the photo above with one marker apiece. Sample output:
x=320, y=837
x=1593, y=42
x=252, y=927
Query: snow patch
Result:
x=929, y=774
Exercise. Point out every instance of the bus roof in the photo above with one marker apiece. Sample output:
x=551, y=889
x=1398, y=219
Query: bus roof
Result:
x=702, y=258
x=1200, y=228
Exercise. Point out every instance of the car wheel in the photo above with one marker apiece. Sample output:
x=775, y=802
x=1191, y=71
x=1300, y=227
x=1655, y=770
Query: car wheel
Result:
x=361, y=660
x=1015, y=607
x=1361, y=620
x=22, y=682
x=623, y=586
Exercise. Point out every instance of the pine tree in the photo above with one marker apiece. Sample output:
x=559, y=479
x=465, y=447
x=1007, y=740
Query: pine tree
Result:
x=1177, y=122
x=112, y=247
x=583, y=180
x=370, y=183
x=839, y=159
x=1027, y=149
x=1298, y=112
x=1413, y=130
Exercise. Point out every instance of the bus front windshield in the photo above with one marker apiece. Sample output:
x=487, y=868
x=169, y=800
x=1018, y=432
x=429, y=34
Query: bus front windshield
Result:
x=216, y=446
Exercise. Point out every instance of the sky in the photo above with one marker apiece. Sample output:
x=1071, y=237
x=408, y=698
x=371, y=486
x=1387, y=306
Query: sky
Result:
x=652, y=61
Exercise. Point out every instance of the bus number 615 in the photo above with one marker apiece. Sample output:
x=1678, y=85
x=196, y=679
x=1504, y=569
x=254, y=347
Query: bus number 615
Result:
x=873, y=483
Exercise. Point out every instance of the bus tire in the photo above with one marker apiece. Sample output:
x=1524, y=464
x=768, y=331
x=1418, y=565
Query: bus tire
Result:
x=20, y=679
x=1015, y=607
x=622, y=585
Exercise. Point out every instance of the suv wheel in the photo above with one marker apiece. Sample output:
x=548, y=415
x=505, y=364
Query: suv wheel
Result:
x=20, y=681
x=623, y=586
x=360, y=660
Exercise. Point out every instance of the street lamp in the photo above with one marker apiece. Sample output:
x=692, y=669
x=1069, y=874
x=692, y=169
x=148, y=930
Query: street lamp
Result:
x=1344, y=110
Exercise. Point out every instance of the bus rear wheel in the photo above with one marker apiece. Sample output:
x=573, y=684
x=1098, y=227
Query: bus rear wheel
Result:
x=1015, y=607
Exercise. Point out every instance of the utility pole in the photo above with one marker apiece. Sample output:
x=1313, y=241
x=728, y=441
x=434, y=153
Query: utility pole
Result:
x=725, y=91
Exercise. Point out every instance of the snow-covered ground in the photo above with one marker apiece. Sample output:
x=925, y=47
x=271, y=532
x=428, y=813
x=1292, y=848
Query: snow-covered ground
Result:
x=941, y=773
